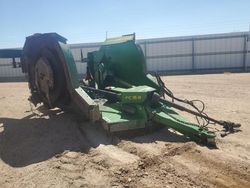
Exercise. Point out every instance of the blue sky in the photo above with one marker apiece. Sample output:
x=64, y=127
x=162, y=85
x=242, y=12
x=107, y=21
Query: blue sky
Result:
x=87, y=21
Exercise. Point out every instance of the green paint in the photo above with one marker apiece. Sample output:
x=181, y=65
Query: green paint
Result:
x=117, y=120
x=171, y=119
x=120, y=65
x=72, y=70
x=122, y=59
x=136, y=94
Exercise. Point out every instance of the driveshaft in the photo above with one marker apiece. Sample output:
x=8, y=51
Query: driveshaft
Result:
x=227, y=125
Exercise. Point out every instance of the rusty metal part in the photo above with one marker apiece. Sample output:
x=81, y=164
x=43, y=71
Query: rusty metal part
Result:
x=44, y=78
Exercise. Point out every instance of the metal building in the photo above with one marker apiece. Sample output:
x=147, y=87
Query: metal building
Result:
x=204, y=53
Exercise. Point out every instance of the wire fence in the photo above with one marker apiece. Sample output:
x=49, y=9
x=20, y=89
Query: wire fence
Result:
x=172, y=55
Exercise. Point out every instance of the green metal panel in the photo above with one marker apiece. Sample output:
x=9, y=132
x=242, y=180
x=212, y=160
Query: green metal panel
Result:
x=124, y=60
x=127, y=62
x=171, y=119
x=122, y=39
x=84, y=96
x=72, y=71
x=117, y=120
x=84, y=102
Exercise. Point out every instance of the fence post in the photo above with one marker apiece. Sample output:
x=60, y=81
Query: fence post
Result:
x=145, y=55
x=245, y=53
x=193, y=58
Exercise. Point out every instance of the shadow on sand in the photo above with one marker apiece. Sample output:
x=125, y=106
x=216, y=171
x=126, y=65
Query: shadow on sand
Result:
x=34, y=139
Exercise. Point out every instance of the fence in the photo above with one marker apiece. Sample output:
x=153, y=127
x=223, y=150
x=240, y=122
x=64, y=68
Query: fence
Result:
x=173, y=55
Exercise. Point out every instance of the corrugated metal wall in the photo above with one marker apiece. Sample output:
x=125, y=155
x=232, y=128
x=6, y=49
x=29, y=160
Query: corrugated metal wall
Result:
x=248, y=53
x=198, y=54
x=204, y=53
x=168, y=55
x=8, y=73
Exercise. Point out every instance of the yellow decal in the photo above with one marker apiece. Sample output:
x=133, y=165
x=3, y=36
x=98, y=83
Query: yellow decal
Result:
x=133, y=97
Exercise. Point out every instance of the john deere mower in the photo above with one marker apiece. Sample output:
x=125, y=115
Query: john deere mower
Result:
x=116, y=92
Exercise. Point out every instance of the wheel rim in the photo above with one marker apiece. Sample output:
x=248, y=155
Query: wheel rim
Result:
x=44, y=79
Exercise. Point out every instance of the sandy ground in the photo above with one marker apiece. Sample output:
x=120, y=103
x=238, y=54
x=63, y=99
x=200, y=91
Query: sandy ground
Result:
x=56, y=149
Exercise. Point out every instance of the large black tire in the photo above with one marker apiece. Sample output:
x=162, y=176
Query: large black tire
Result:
x=41, y=47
